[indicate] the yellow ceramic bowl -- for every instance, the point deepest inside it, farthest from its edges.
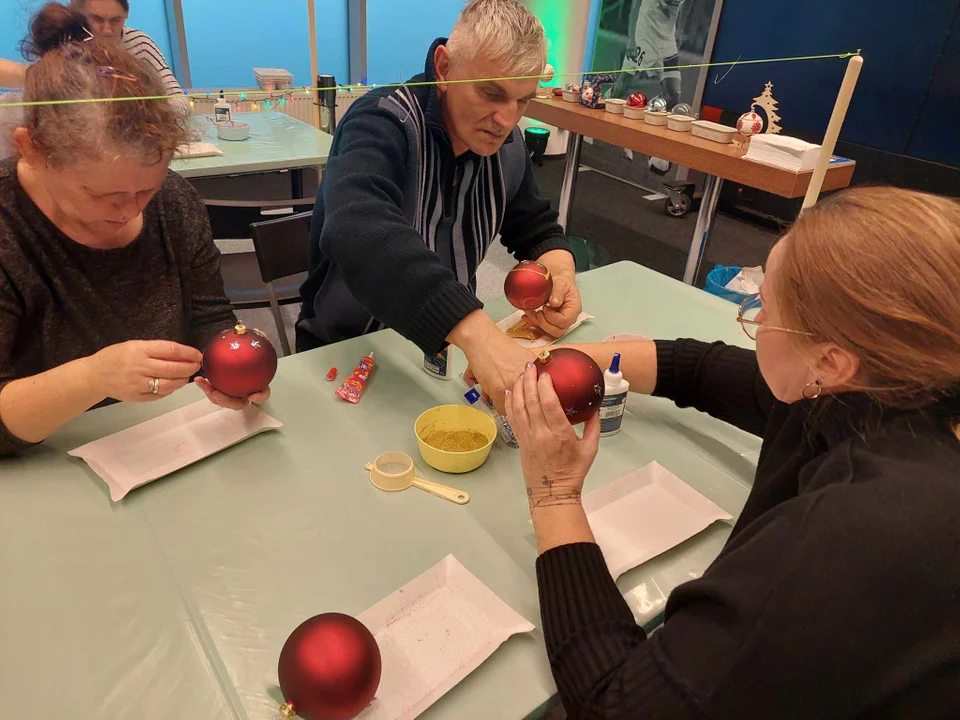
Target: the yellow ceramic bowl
(454, 417)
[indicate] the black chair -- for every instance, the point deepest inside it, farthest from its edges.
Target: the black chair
(283, 251)
(250, 277)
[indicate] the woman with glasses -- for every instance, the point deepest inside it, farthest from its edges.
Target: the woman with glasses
(109, 278)
(838, 592)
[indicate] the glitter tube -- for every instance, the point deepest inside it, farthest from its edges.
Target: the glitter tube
(353, 386)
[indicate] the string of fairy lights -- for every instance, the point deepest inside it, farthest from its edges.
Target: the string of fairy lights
(276, 99)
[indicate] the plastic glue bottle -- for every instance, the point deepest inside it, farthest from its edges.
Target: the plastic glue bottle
(222, 114)
(614, 399)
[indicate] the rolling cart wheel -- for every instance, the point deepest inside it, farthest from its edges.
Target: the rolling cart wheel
(677, 209)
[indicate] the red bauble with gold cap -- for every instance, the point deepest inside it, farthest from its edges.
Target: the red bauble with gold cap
(240, 362)
(577, 379)
(528, 285)
(329, 668)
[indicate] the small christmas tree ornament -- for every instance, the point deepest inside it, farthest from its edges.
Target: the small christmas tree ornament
(528, 285)
(766, 102)
(240, 362)
(577, 380)
(329, 669)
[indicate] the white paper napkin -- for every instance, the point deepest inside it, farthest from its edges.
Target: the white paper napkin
(644, 514)
(432, 633)
(197, 150)
(158, 447)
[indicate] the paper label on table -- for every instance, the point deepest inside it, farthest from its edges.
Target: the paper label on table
(530, 336)
(432, 633)
(158, 447)
(644, 514)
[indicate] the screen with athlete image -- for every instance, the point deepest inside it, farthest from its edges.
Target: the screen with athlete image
(649, 43)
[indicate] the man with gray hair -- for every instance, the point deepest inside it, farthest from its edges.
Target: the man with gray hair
(421, 179)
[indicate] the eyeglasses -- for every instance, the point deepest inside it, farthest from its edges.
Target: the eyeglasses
(747, 317)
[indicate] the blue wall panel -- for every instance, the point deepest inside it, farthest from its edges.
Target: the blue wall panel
(901, 42)
(226, 39)
(936, 137)
(400, 32)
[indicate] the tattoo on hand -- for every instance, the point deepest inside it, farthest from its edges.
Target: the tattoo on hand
(554, 498)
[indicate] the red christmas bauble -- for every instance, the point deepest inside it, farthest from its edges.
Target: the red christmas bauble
(577, 379)
(750, 124)
(528, 285)
(329, 668)
(240, 362)
(637, 100)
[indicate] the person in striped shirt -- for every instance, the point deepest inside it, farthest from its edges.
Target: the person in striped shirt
(107, 19)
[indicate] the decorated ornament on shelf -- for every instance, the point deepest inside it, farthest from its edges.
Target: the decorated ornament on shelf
(682, 109)
(750, 124)
(240, 362)
(329, 669)
(637, 100)
(548, 73)
(658, 104)
(577, 380)
(528, 285)
(591, 91)
(766, 102)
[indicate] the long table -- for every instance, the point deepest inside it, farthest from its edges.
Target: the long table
(277, 142)
(719, 162)
(175, 602)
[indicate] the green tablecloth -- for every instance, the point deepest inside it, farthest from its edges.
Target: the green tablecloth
(277, 142)
(175, 602)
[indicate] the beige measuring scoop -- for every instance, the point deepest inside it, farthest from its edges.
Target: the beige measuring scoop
(394, 471)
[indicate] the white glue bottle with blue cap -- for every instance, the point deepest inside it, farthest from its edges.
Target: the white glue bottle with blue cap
(614, 399)
(222, 115)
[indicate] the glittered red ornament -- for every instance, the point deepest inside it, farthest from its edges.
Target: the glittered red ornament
(528, 285)
(637, 100)
(240, 362)
(329, 668)
(577, 379)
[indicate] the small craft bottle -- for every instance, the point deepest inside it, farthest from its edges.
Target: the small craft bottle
(438, 365)
(614, 399)
(221, 111)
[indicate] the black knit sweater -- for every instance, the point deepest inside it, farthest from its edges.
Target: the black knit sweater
(401, 224)
(837, 594)
(60, 301)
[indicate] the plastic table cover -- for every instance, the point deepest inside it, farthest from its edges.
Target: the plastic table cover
(277, 142)
(175, 602)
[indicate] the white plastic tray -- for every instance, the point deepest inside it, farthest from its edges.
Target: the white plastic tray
(432, 633)
(644, 514)
(158, 447)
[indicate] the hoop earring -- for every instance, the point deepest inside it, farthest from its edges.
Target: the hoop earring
(818, 390)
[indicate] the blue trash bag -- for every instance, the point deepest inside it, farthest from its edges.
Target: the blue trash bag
(718, 278)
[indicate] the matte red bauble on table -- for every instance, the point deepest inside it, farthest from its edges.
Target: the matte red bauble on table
(240, 362)
(577, 379)
(329, 668)
(528, 285)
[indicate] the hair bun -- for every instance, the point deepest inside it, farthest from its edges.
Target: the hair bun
(54, 26)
